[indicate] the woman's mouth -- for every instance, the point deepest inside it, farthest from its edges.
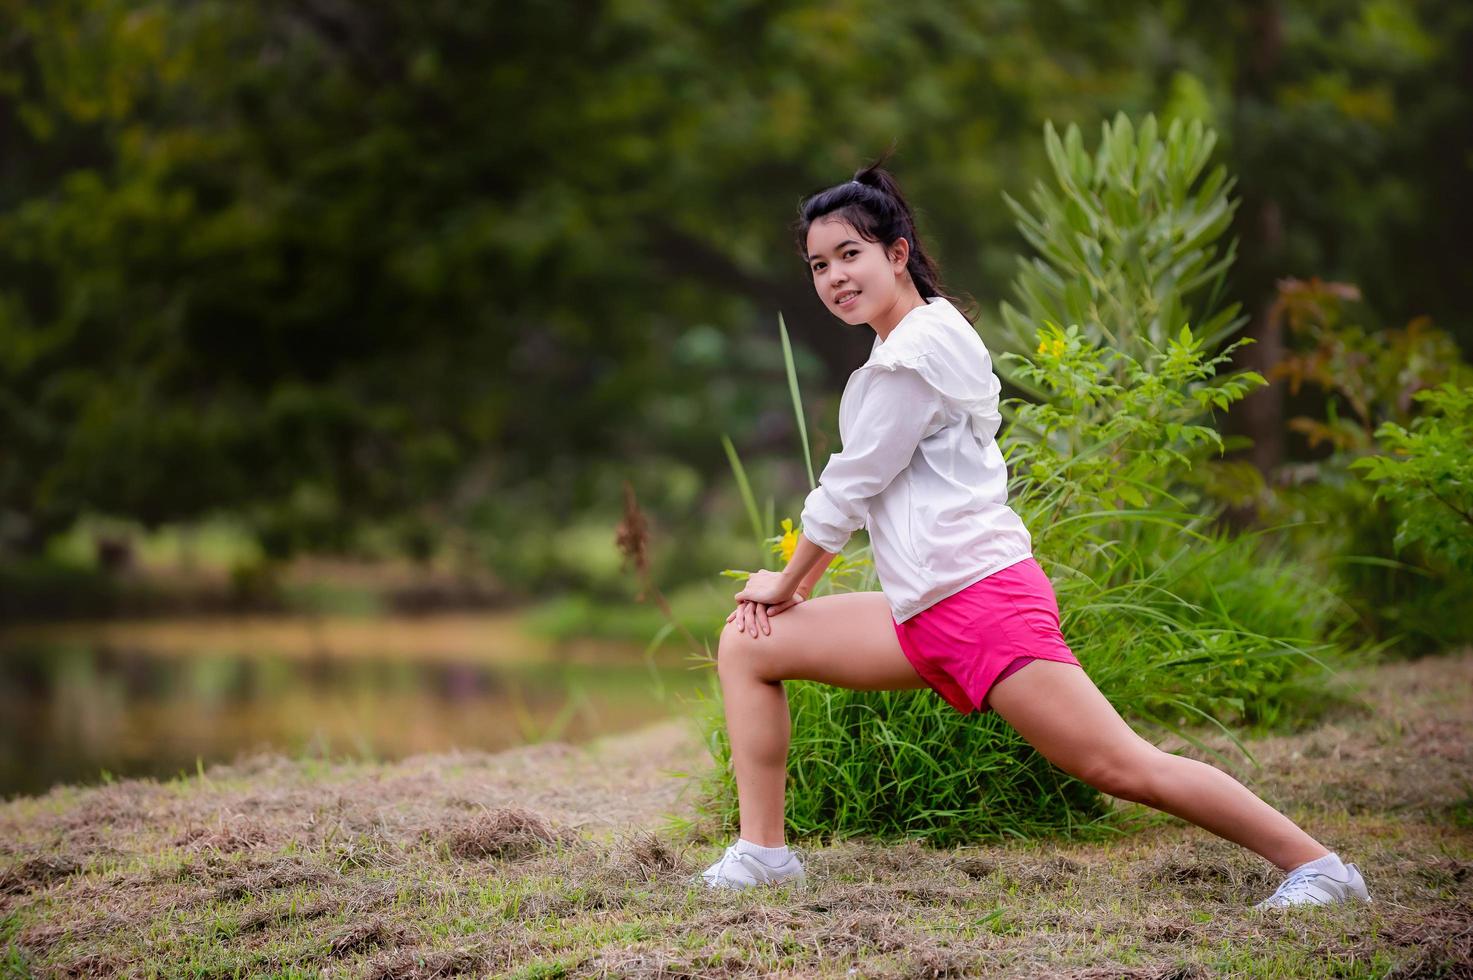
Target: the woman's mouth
(846, 299)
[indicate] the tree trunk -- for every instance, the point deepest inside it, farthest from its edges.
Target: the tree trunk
(1260, 231)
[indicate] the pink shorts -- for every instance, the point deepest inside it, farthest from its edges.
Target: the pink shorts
(967, 642)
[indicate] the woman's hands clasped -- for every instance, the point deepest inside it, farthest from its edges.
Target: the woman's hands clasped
(763, 597)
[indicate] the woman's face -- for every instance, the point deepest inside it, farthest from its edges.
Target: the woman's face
(856, 279)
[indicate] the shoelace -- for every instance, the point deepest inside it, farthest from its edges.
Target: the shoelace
(1298, 885)
(731, 854)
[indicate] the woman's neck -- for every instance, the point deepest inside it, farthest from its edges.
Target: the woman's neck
(909, 299)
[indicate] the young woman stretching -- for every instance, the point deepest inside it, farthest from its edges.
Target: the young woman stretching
(964, 609)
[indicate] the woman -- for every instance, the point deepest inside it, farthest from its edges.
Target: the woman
(965, 609)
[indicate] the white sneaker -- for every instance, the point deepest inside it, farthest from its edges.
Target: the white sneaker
(1317, 888)
(739, 870)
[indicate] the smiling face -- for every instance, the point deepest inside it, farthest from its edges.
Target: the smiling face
(856, 279)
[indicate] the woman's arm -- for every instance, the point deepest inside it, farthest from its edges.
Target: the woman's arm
(813, 562)
(776, 588)
(896, 410)
(805, 568)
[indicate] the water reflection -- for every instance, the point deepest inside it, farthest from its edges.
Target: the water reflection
(73, 704)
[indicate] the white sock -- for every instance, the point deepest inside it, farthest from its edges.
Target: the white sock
(773, 857)
(1330, 864)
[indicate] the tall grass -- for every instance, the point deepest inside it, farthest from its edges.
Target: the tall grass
(904, 764)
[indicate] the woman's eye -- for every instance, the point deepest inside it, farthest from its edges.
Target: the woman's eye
(852, 251)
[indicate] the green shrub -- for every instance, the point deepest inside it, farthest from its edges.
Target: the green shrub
(1091, 478)
(1392, 559)
(1127, 242)
(1428, 474)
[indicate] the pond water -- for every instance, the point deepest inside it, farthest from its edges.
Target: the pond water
(79, 703)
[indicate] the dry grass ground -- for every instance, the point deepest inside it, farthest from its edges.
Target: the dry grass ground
(558, 861)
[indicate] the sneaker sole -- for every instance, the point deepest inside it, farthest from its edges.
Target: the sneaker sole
(1311, 905)
(699, 881)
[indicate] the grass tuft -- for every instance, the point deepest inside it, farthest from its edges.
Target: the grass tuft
(35, 873)
(507, 833)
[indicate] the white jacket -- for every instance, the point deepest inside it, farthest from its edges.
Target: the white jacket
(920, 467)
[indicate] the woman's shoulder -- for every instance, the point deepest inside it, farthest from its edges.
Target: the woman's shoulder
(939, 345)
(936, 330)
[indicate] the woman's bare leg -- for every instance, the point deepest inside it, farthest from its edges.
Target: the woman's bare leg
(847, 640)
(1058, 709)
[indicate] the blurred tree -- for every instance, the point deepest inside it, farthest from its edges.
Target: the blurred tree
(322, 264)
(1351, 127)
(430, 263)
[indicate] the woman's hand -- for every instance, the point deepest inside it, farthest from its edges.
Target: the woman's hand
(753, 616)
(768, 588)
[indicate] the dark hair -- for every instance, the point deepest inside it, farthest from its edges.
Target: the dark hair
(873, 204)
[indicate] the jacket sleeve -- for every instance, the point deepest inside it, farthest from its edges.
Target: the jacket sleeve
(897, 409)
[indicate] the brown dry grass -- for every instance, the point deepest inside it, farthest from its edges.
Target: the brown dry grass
(556, 861)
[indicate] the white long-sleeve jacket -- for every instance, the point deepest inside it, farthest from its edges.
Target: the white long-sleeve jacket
(920, 467)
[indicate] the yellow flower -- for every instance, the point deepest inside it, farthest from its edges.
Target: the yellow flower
(789, 542)
(1054, 346)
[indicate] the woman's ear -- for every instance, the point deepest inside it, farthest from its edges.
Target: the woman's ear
(900, 255)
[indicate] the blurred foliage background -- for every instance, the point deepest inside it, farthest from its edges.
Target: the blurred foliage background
(423, 283)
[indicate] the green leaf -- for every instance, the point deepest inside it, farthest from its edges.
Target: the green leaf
(792, 372)
(745, 489)
(1131, 495)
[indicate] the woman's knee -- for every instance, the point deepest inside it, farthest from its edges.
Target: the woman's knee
(1129, 775)
(740, 653)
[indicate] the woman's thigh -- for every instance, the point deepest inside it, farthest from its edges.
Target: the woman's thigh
(1058, 709)
(847, 640)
